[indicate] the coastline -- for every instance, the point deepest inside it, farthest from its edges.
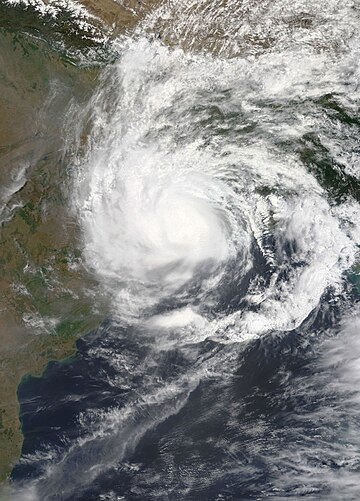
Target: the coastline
(37, 253)
(40, 247)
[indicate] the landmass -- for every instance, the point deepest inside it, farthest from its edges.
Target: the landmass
(46, 296)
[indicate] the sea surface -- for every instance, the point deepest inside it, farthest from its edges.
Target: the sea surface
(211, 172)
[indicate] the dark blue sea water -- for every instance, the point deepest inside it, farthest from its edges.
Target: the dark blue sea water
(209, 183)
(264, 428)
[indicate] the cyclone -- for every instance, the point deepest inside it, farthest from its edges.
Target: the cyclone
(214, 178)
(179, 203)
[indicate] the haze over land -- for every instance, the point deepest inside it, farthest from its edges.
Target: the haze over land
(183, 176)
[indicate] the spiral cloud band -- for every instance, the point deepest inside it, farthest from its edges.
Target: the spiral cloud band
(180, 203)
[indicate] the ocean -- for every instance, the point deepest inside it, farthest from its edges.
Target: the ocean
(210, 170)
